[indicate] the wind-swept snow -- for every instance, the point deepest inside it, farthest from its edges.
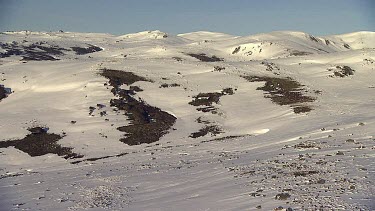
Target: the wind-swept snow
(282, 119)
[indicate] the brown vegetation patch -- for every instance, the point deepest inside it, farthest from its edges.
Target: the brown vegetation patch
(148, 123)
(200, 120)
(312, 38)
(87, 50)
(99, 158)
(299, 53)
(306, 145)
(236, 50)
(179, 59)
(165, 85)
(4, 92)
(204, 58)
(135, 88)
(39, 51)
(212, 129)
(207, 99)
(39, 143)
(36, 56)
(218, 68)
(119, 77)
(302, 109)
(270, 66)
(343, 71)
(3, 176)
(283, 91)
(225, 138)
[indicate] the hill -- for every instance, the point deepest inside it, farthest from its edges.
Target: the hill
(202, 120)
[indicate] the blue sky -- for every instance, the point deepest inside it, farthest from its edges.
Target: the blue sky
(238, 17)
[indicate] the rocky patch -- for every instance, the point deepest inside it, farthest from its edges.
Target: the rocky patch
(308, 180)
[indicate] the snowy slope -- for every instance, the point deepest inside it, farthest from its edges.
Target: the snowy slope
(242, 123)
(356, 40)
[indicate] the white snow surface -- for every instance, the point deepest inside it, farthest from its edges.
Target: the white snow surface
(258, 155)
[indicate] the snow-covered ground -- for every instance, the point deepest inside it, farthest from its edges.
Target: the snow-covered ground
(283, 119)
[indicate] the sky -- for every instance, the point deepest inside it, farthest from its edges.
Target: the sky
(237, 17)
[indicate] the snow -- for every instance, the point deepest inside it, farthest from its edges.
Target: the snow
(357, 40)
(261, 149)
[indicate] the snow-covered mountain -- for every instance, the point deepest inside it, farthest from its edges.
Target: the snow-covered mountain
(203, 120)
